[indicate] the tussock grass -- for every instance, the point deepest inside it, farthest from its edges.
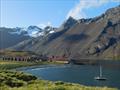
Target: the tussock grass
(20, 81)
(12, 80)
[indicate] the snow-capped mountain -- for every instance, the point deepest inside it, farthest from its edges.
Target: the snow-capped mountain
(92, 38)
(33, 31)
(12, 36)
(48, 30)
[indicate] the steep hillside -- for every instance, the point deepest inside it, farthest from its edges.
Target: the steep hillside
(10, 37)
(84, 38)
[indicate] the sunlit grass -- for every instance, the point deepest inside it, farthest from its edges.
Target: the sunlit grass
(4, 65)
(19, 81)
(11, 80)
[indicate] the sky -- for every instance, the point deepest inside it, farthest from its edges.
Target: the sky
(23, 13)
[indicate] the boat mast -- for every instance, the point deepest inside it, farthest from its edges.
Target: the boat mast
(100, 71)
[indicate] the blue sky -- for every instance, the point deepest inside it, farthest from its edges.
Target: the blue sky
(23, 13)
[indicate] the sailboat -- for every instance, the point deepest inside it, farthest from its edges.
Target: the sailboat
(100, 77)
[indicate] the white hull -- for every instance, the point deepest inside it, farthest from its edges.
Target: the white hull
(100, 78)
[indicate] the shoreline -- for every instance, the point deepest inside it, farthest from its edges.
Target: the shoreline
(24, 81)
(62, 85)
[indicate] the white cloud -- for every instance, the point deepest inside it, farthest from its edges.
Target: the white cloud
(78, 10)
(43, 25)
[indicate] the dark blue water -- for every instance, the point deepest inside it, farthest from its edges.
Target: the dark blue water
(83, 74)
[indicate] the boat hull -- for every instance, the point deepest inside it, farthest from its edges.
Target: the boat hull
(100, 78)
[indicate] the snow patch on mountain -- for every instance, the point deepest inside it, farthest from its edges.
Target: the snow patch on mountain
(33, 31)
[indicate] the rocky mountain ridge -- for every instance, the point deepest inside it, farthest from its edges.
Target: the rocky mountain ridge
(12, 36)
(97, 37)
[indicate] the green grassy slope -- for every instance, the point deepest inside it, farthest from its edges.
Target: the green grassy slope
(12, 80)
(19, 81)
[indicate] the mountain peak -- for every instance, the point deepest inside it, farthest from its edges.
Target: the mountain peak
(113, 10)
(69, 22)
(83, 38)
(71, 19)
(33, 27)
(47, 27)
(113, 14)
